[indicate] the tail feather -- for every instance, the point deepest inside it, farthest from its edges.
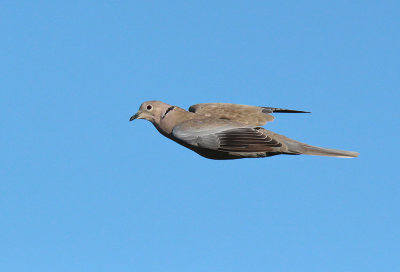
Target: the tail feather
(319, 151)
(306, 149)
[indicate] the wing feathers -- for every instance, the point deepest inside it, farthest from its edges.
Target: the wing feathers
(245, 114)
(246, 139)
(271, 110)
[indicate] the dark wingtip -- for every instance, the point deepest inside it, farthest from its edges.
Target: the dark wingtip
(271, 110)
(290, 111)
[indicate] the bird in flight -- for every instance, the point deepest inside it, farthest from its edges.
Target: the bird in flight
(224, 131)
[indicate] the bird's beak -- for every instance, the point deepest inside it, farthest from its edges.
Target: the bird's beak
(135, 116)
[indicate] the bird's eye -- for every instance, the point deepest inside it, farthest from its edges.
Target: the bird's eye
(149, 107)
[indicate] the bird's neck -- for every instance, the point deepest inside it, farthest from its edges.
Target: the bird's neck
(177, 116)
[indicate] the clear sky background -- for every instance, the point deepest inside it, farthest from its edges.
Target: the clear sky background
(83, 189)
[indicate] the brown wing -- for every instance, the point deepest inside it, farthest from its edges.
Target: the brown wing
(248, 115)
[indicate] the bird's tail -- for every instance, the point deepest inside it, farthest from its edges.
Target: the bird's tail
(301, 148)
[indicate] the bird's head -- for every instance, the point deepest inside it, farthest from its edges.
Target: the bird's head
(151, 111)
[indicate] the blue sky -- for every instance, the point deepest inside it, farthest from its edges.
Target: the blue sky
(83, 189)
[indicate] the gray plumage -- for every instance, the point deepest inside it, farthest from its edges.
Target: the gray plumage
(227, 131)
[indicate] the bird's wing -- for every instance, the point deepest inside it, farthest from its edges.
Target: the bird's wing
(225, 135)
(249, 115)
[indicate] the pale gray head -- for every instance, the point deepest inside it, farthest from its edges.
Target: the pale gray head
(151, 111)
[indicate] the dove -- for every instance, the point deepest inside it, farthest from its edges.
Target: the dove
(224, 131)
